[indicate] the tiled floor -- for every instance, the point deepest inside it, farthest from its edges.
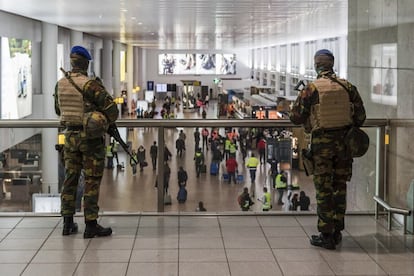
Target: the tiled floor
(201, 244)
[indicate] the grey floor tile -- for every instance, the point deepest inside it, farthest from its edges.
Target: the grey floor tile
(205, 255)
(57, 256)
(16, 256)
(255, 268)
(366, 268)
(305, 268)
(159, 269)
(106, 256)
(98, 269)
(250, 255)
(63, 269)
(204, 269)
(12, 269)
(154, 256)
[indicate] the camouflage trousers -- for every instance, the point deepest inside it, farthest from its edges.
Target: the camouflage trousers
(333, 168)
(89, 155)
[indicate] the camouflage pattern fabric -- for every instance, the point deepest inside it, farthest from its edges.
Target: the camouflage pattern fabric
(333, 168)
(81, 152)
(88, 154)
(332, 161)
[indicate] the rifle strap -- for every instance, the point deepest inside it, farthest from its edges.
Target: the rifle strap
(67, 75)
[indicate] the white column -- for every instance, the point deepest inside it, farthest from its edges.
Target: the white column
(49, 135)
(76, 38)
(130, 74)
(116, 68)
(107, 66)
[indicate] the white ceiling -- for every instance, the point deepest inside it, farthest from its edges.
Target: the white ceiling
(189, 24)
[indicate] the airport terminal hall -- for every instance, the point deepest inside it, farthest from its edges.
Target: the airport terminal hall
(206, 137)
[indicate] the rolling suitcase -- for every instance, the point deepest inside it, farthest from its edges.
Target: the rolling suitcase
(240, 179)
(167, 199)
(226, 177)
(214, 168)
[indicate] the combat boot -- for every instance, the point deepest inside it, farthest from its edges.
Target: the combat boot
(337, 237)
(69, 227)
(323, 240)
(93, 229)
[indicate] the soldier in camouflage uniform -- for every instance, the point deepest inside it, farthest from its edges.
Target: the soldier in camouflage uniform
(327, 108)
(86, 110)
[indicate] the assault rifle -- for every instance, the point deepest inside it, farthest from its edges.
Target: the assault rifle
(299, 86)
(113, 131)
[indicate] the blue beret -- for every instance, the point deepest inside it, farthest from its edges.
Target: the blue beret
(79, 50)
(324, 52)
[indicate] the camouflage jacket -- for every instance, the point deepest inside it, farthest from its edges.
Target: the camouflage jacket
(96, 99)
(301, 109)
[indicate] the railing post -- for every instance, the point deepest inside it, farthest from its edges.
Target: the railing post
(160, 168)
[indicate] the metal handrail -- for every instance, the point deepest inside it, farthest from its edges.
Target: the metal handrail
(54, 123)
(162, 125)
(391, 210)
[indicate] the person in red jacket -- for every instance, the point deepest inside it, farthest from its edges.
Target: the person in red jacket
(261, 147)
(231, 166)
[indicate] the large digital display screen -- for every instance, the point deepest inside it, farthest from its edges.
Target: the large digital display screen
(200, 64)
(16, 78)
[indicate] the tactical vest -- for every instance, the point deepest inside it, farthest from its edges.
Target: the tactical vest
(71, 101)
(334, 109)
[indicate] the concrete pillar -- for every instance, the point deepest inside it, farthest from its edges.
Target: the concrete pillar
(76, 38)
(116, 68)
(130, 75)
(107, 66)
(49, 135)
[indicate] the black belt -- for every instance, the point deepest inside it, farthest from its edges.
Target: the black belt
(329, 130)
(74, 128)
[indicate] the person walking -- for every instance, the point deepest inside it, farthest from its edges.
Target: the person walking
(180, 147)
(141, 153)
(79, 99)
(109, 156)
(199, 161)
(281, 186)
(231, 167)
(261, 147)
(328, 107)
(154, 155)
(197, 139)
(182, 177)
(205, 133)
(252, 164)
(133, 161)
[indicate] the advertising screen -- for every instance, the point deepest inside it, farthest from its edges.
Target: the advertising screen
(200, 64)
(16, 78)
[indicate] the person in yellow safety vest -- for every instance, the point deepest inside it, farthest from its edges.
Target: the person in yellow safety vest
(252, 164)
(109, 157)
(266, 200)
(281, 185)
(227, 148)
(232, 149)
(171, 115)
(114, 149)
